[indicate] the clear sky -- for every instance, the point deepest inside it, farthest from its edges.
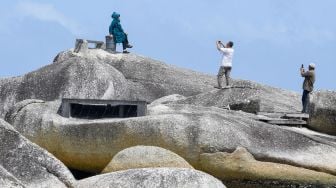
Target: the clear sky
(272, 37)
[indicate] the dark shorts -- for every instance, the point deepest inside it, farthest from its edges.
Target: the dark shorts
(224, 71)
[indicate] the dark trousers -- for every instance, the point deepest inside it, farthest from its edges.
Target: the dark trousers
(223, 71)
(125, 42)
(305, 101)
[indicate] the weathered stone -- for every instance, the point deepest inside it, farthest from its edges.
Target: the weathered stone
(76, 77)
(7, 180)
(17, 108)
(168, 99)
(151, 79)
(322, 115)
(186, 130)
(145, 157)
(154, 178)
(81, 46)
(249, 97)
(101, 75)
(176, 123)
(241, 165)
(29, 164)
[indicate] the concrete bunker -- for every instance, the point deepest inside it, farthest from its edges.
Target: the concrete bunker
(98, 109)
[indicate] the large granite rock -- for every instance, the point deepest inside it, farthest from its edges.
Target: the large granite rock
(151, 79)
(98, 74)
(7, 180)
(74, 77)
(24, 164)
(323, 112)
(249, 97)
(241, 165)
(154, 178)
(187, 130)
(168, 99)
(145, 157)
(101, 75)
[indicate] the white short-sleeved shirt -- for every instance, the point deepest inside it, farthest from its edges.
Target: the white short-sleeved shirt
(227, 56)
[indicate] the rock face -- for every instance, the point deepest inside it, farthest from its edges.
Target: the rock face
(242, 165)
(27, 165)
(168, 99)
(145, 157)
(154, 178)
(188, 120)
(186, 130)
(8, 180)
(249, 97)
(323, 112)
(97, 74)
(76, 77)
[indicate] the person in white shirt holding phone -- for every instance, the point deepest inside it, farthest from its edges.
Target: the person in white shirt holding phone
(226, 63)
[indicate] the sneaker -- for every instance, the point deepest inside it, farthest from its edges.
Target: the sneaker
(125, 52)
(129, 46)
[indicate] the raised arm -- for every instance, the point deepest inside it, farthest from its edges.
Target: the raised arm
(305, 73)
(220, 46)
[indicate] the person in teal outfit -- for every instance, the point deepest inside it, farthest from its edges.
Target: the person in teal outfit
(118, 33)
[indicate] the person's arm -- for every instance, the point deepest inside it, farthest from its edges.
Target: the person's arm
(306, 74)
(221, 47)
(111, 28)
(218, 44)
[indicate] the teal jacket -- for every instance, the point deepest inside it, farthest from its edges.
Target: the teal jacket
(116, 30)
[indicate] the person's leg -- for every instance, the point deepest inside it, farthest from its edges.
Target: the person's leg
(220, 76)
(304, 101)
(126, 44)
(227, 75)
(307, 101)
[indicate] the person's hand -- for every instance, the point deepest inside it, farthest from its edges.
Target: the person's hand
(302, 69)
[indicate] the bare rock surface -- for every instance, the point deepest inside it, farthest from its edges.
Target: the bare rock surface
(151, 79)
(73, 77)
(25, 163)
(145, 157)
(242, 165)
(154, 178)
(186, 130)
(98, 74)
(168, 99)
(187, 120)
(7, 180)
(101, 75)
(323, 112)
(249, 97)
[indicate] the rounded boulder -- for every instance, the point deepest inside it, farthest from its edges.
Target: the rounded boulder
(154, 178)
(145, 157)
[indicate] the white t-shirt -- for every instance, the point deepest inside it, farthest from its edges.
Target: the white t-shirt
(227, 56)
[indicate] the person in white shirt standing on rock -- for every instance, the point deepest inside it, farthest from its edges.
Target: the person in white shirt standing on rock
(226, 64)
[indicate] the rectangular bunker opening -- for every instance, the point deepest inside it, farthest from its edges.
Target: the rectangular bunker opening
(98, 109)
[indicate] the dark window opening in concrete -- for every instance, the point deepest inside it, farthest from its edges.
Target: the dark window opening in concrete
(97, 108)
(98, 111)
